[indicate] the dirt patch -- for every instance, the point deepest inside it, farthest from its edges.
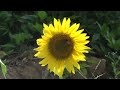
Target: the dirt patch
(30, 70)
(24, 65)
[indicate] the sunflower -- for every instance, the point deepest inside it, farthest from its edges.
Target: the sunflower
(62, 46)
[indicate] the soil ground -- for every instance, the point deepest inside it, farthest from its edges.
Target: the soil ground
(24, 65)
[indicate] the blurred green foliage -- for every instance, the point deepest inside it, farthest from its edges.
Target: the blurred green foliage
(24, 27)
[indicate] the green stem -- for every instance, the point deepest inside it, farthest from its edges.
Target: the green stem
(82, 74)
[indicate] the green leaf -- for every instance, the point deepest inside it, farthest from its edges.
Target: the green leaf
(20, 37)
(95, 37)
(118, 57)
(29, 18)
(95, 46)
(104, 29)
(42, 14)
(5, 16)
(99, 25)
(2, 54)
(3, 67)
(38, 27)
(118, 72)
(84, 71)
(113, 64)
(117, 45)
(113, 41)
(102, 48)
(92, 61)
(8, 46)
(84, 65)
(3, 30)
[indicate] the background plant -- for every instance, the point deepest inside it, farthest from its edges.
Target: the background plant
(19, 28)
(3, 68)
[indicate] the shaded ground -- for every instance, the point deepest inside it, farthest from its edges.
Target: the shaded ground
(24, 65)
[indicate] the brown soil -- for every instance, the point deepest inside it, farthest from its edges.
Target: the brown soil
(24, 65)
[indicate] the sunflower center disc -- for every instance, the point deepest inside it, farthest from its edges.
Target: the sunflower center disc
(60, 46)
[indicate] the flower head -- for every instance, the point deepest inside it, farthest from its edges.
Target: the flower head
(62, 46)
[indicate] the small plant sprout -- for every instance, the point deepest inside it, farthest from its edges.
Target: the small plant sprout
(3, 68)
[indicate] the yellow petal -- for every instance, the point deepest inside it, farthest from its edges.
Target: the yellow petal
(46, 36)
(81, 42)
(76, 34)
(55, 70)
(65, 25)
(81, 47)
(37, 49)
(40, 55)
(56, 67)
(42, 51)
(73, 71)
(59, 26)
(61, 68)
(51, 66)
(52, 29)
(78, 56)
(68, 24)
(45, 26)
(86, 42)
(49, 30)
(47, 60)
(81, 37)
(46, 31)
(73, 28)
(87, 37)
(44, 62)
(52, 63)
(80, 31)
(76, 64)
(69, 66)
(55, 23)
(39, 41)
